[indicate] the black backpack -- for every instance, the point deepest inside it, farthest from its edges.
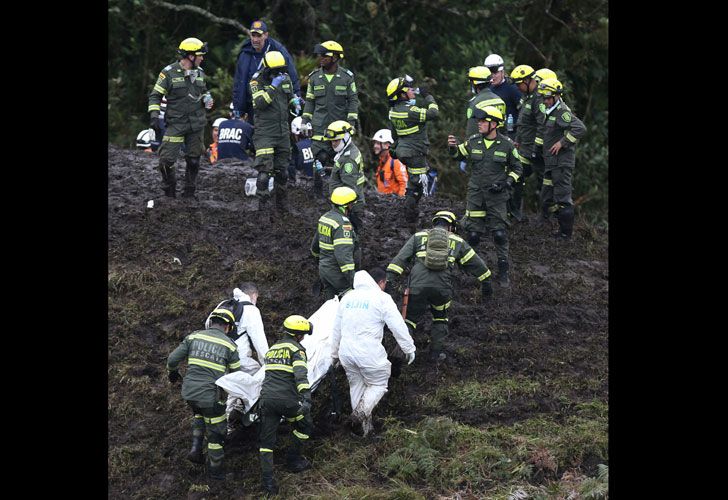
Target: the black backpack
(237, 308)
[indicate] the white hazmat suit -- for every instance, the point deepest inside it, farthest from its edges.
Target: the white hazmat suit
(357, 343)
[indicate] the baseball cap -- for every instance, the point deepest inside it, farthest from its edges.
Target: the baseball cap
(258, 27)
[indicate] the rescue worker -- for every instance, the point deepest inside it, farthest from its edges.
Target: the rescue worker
(356, 341)
(495, 167)
(210, 354)
(348, 169)
(331, 95)
(285, 393)
(302, 155)
(562, 131)
(145, 140)
(271, 89)
(508, 91)
(523, 76)
(212, 150)
(235, 140)
(183, 84)
(480, 78)
(430, 278)
(391, 174)
(333, 244)
(537, 155)
(411, 145)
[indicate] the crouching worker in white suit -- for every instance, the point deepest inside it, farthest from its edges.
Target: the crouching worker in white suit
(357, 342)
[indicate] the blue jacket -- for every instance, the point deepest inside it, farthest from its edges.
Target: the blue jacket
(234, 137)
(302, 157)
(250, 61)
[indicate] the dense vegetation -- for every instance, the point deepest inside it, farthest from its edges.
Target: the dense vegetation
(433, 39)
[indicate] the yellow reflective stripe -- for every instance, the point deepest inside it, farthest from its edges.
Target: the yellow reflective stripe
(451, 258)
(264, 151)
(343, 241)
(395, 268)
(215, 420)
(439, 319)
(484, 275)
(475, 213)
(285, 344)
(463, 150)
(433, 105)
(302, 387)
(282, 368)
(173, 138)
(331, 222)
(408, 131)
(235, 365)
(326, 246)
(442, 307)
(214, 340)
(154, 107)
(353, 116)
(539, 140)
(524, 160)
(265, 450)
(417, 171)
(160, 89)
(300, 435)
(421, 253)
(347, 267)
(423, 114)
(267, 97)
(514, 175)
(398, 114)
(299, 362)
(307, 115)
(548, 182)
(414, 325)
(361, 180)
(206, 364)
(295, 419)
(571, 137)
(214, 446)
(515, 154)
(467, 256)
(199, 416)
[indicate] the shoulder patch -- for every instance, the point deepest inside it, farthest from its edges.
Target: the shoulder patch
(348, 168)
(566, 116)
(162, 76)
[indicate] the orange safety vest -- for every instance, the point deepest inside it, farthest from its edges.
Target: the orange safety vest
(212, 152)
(391, 175)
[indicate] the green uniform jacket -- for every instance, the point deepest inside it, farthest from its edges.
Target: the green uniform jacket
(182, 109)
(409, 128)
(540, 121)
(270, 106)
(489, 164)
(421, 277)
(327, 101)
(210, 355)
(348, 171)
(286, 371)
(333, 245)
(561, 125)
(528, 116)
(485, 97)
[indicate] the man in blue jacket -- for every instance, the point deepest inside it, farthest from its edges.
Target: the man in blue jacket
(250, 60)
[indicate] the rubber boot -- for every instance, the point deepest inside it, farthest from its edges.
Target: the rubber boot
(169, 178)
(503, 274)
(195, 453)
(215, 473)
(566, 222)
(267, 483)
(295, 462)
(515, 202)
(193, 167)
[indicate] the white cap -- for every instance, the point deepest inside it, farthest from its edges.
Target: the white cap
(145, 138)
(494, 60)
(296, 125)
(216, 123)
(383, 135)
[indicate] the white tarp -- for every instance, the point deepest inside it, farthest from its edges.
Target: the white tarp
(318, 351)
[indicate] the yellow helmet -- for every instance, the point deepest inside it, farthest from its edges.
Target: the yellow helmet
(550, 87)
(543, 74)
(479, 75)
(489, 114)
(192, 46)
(274, 59)
(521, 72)
(343, 195)
(395, 87)
(337, 129)
(447, 216)
(297, 325)
(329, 48)
(224, 314)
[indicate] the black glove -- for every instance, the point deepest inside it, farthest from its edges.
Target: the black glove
(154, 125)
(424, 91)
(174, 376)
(497, 187)
(486, 288)
(306, 406)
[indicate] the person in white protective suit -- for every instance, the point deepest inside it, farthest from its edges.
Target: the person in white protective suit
(357, 342)
(250, 331)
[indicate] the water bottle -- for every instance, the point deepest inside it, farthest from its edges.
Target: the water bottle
(509, 123)
(319, 168)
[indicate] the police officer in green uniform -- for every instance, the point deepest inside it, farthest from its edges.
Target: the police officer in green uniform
(561, 133)
(271, 90)
(334, 244)
(537, 155)
(331, 95)
(480, 78)
(433, 288)
(285, 394)
(210, 354)
(495, 166)
(523, 77)
(348, 169)
(411, 145)
(183, 84)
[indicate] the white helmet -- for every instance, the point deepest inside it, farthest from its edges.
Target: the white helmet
(145, 138)
(494, 62)
(383, 135)
(296, 125)
(216, 123)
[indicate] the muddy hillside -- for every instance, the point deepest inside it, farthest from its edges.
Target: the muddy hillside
(518, 410)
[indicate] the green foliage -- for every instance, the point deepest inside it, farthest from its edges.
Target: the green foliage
(476, 394)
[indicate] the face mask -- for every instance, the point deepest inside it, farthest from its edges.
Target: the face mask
(411, 102)
(339, 147)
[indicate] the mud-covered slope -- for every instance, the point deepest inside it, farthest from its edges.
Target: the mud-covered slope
(531, 362)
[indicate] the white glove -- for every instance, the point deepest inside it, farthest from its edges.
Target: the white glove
(410, 357)
(424, 180)
(208, 101)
